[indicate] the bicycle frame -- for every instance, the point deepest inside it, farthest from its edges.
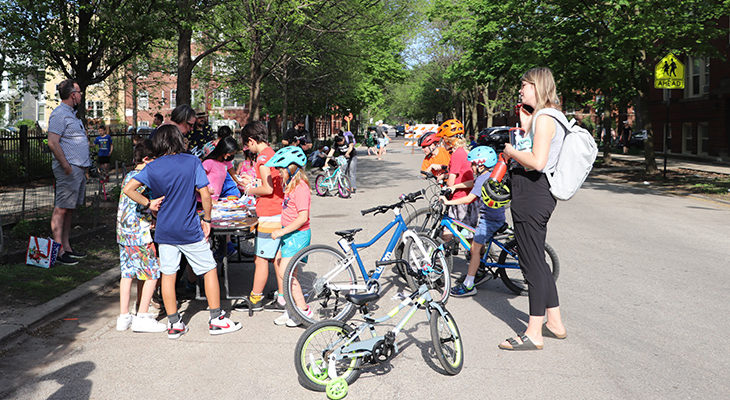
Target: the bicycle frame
(450, 223)
(331, 178)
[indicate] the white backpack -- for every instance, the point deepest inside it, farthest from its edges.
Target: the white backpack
(575, 160)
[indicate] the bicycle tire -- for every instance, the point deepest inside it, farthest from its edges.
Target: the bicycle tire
(312, 347)
(443, 331)
(438, 279)
(307, 268)
(319, 186)
(513, 278)
(344, 188)
(426, 220)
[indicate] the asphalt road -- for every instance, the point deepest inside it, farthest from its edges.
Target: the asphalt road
(643, 287)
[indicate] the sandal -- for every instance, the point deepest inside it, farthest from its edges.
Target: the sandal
(548, 333)
(526, 344)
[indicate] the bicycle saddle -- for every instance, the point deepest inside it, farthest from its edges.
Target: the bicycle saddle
(348, 233)
(362, 299)
(502, 228)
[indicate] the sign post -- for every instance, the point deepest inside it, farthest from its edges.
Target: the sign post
(668, 74)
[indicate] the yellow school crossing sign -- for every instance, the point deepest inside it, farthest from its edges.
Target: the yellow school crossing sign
(669, 73)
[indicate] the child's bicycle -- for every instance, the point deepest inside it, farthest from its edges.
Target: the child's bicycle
(330, 354)
(500, 257)
(96, 172)
(334, 181)
(325, 275)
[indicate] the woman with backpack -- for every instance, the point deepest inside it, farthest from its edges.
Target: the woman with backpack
(532, 205)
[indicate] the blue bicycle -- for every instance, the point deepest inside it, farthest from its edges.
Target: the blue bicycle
(500, 256)
(320, 276)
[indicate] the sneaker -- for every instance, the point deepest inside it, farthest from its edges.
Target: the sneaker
(66, 259)
(147, 323)
(282, 319)
(222, 324)
(176, 330)
(275, 306)
(76, 254)
(461, 290)
(481, 276)
(244, 305)
(124, 321)
(291, 323)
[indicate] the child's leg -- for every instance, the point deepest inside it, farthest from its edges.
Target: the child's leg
(279, 267)
(296, 290)
(140, 284)
(169, 298)
(169, 264)
(212, 289)
(146, 290)
(260, 275)
(125, 287)
(476, 249)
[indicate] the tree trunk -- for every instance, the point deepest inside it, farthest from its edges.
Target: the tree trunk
(134, 101)
(255, 78)
(641, 110)
(184, 66)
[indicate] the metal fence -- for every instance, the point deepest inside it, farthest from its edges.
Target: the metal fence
(26, 179)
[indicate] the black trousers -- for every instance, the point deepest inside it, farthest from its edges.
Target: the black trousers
(532, 205)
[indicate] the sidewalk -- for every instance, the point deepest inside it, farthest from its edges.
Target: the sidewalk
(673, 163)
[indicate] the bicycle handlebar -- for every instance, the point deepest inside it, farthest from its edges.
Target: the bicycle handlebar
(428, 175)
(404, 198)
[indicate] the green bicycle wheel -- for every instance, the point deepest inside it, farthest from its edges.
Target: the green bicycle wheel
(312, 352)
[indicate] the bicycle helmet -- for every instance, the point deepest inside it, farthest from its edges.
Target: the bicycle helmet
(450, 128)
(286, 156)
(495, 194)
(483, 155)
(428, 139)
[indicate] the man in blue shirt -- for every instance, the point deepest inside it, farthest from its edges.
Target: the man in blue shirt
(68, 142)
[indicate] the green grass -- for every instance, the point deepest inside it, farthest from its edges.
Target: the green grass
(38, 285)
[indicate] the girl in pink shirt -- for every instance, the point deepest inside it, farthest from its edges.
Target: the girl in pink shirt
(217, 164)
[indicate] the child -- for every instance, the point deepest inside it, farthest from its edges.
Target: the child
(270, 196)
(176, 176)
(491, 215)
(437, 158)
(245, 168)
(295, 233)
(347, 150)
(104, 142)
(137, 255)
(319, 156)
(459, 172)
(217, 165)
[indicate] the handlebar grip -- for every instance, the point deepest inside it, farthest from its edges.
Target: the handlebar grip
(428, 175)
(369, 210)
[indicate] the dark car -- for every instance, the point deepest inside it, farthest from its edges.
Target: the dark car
(638, 138)
(400, 130)
(494, 137)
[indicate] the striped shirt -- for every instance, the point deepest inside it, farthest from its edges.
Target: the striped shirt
(74, 142)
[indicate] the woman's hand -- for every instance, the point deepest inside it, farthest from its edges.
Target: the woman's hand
(508, 151)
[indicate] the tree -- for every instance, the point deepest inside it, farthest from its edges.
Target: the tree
(85, 40)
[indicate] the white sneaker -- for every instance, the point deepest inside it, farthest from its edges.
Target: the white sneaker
(124, 321)
(147, 323)
(291, 323)
(176, 330)
(282, 319)
(222, 324)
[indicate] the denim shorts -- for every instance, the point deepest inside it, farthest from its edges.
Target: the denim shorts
(291, 243)
(199, 256)
(485, 230)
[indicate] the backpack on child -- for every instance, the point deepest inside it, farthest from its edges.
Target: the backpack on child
(576, 157)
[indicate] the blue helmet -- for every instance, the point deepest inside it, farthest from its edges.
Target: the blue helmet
(286, 156)
(483, 155)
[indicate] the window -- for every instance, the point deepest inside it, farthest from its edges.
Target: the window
(162, 98)
(697, 77)
(95, 109)
(173, 98)
(687, 137)
(41, 114)
(144, 123)
(143, 100)
(703, 138)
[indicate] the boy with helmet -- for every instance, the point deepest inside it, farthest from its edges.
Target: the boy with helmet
(437, 157)
(460, 174)
(491, 215)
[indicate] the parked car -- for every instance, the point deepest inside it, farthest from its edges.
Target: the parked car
(638, 138)
(494, 137)
(400, 130)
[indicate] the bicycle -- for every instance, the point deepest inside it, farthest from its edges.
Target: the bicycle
(325, 275)
(330, 354)
(334, 181)
(500, 257)
(95, 171)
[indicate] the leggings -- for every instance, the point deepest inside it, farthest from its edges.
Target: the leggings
(352, 171)
(532, 205)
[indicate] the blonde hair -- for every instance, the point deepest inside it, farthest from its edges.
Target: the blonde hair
(455, 141)
(545, 91)
(300, 176)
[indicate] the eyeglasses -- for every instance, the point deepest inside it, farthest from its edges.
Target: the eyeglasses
(190, 124)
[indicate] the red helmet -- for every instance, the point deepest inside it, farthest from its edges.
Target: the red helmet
(450, 128)
(428, 139)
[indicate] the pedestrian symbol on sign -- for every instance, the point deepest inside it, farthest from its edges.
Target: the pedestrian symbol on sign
(669, 73)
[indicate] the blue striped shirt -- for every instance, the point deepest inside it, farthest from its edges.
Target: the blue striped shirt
(74, 142)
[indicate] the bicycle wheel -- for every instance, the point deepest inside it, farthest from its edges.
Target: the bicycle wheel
(435, 270)
(513, 278)
(308, 276)
(312, 350)
(424, 219)
(344, 188)
(320, 186)
(447, 341)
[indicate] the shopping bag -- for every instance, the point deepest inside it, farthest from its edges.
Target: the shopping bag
(42, 252)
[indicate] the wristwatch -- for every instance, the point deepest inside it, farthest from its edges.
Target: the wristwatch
(206, 220)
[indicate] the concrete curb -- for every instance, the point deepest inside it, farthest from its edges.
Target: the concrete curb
(37, 313)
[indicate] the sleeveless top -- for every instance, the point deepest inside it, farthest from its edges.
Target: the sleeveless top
(556, 144)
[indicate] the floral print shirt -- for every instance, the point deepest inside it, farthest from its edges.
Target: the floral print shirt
(133, 224)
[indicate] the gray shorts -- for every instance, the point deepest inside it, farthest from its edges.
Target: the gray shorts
(70, 189)
(199, 256)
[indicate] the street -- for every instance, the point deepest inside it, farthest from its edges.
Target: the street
(643, 289)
